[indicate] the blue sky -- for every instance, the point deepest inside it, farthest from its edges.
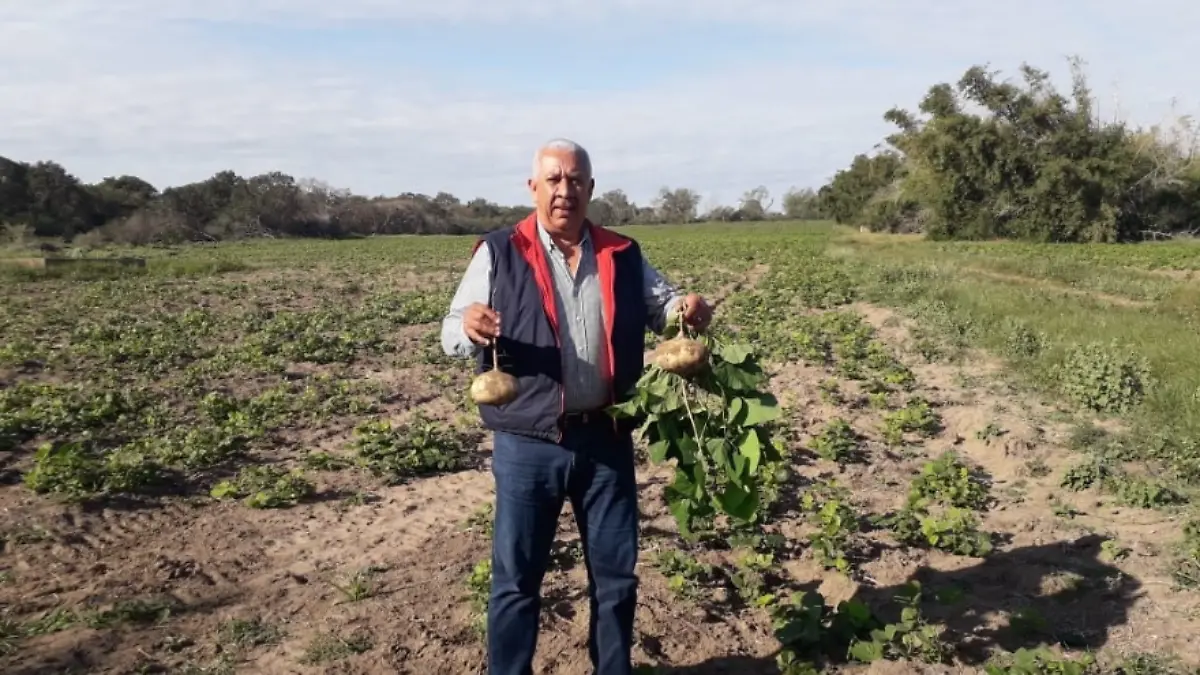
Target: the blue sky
(388, 96)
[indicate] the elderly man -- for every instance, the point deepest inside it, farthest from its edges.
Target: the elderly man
(567, 305)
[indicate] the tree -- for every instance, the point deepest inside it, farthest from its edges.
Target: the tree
(621, 210)
(985, 158)
(58, 204)
(846, 196)
(676, 206)
(755, 203)
(802, 204)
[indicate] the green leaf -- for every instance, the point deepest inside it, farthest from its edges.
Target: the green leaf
(733, 378)
(687, 450)
(734, 353)
(666, 429)
(682, 486)
(736, 407)
(666, 402)
(866, 652)
(701, 481)
(671, 329)
(625, 410)
(739, 472)
(718, 451)
(681, 509)
(758, 409)
(658, 451)
(739, 502)
(751, 449)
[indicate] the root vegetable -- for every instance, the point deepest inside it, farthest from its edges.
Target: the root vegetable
(682, 356)
(495, 387)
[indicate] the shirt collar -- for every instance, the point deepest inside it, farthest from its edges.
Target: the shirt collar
(585, 241)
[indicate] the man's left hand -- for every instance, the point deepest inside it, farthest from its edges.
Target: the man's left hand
(696, 312)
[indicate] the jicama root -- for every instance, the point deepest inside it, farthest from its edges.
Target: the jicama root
(495, 387)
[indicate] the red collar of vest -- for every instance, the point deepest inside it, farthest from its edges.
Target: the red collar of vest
(602, 238)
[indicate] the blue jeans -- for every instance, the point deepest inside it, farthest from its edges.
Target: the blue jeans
(594, 468)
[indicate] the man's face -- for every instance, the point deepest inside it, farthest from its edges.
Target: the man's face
(561, 191)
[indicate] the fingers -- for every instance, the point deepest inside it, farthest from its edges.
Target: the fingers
(477, 337)
(696, 312)
(481, 323)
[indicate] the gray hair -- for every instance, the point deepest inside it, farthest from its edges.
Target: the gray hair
(565, 145)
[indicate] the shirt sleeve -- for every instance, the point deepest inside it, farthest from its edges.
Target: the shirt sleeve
(474, 287)
(661, 297)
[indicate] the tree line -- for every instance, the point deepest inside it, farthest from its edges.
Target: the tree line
(983, 159)
(45, 200)
(988, 159)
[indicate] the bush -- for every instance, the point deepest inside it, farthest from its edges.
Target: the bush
(1035, 165)
(1104, 378)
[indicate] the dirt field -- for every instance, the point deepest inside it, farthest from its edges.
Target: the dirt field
(271, 468)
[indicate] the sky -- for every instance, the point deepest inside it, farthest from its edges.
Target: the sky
(388, 96)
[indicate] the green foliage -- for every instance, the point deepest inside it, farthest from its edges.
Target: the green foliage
(810, 630)
(952, 530)
(45, 200)
(836, 522)
(715, 427)
(837, 441)
(265, 487)
(420, 448)
(479, 588)
(77, 470)
(948, 480)
(1104, 378)
(748, 577)
(686, 576)
(848, 194)
(911, 638)
(1040, 661)
(1034, 164)
(1104, 472)
(917, 416)
(939, 511)
(1186, 571)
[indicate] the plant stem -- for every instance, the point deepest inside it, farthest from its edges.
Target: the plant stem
(683, 392)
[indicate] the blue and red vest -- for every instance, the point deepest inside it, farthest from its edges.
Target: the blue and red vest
(523, 294)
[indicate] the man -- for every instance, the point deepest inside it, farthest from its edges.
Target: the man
(567, 305)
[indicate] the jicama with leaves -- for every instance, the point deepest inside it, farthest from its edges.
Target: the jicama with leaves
(709, 413)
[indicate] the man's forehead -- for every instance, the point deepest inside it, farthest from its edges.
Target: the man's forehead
(554, 164)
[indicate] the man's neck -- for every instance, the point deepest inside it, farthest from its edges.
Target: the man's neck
(565, 240)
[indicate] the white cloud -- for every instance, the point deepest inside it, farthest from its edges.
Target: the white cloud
(125, 86)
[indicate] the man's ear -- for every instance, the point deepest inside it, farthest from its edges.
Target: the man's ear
(532, 188)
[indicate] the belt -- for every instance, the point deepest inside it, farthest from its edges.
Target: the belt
(585, 418)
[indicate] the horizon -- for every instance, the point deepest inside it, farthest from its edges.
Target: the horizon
(386, 99)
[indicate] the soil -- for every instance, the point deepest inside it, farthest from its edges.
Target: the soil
(215, 562)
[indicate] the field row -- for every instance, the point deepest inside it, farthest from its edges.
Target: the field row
(255, 458)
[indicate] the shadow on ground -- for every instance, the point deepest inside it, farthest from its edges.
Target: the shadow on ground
(83, 649)
(1059, 593)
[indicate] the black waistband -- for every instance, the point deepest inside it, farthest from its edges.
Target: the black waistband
(585, 418)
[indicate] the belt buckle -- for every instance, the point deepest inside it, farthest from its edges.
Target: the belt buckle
(582, 417)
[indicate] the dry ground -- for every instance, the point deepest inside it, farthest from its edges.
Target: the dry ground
(219, 587)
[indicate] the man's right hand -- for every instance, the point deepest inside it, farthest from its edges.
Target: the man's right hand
(481, 323)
